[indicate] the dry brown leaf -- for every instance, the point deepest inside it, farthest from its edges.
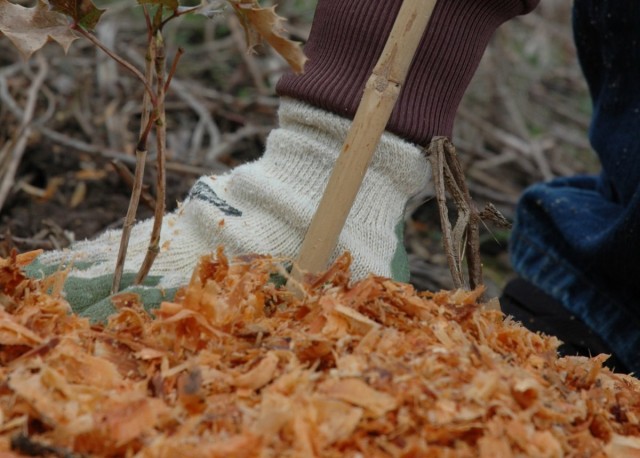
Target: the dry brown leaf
(264, 23)
(79, 194)
(83, 12)
(29, 29)
(90, 174)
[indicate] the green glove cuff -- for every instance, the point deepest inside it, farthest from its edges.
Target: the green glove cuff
(90, 297)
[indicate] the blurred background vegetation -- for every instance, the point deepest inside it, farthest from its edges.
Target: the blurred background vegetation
(524, 119)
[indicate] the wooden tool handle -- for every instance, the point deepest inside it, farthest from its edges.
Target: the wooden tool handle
(371, 118)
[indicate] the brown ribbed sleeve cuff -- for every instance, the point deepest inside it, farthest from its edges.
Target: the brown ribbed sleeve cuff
(347, 37)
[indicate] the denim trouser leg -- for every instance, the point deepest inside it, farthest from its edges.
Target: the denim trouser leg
(584, 250)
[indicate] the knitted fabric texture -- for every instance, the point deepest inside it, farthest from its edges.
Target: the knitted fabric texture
(347, 37)
(266, 206)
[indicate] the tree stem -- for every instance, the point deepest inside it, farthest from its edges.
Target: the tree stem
(161, 134)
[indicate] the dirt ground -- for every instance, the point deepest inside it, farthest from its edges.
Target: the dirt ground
(524, 119)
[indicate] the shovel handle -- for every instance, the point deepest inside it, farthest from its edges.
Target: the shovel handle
(371, 118)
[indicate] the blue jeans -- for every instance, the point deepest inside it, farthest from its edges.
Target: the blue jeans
(578, 239)
(576, 243)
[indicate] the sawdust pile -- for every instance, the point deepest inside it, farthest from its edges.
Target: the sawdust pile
(239, 368)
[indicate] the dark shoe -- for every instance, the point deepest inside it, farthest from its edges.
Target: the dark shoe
(540, 312)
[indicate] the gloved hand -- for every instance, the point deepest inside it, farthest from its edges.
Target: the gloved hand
(261, 207)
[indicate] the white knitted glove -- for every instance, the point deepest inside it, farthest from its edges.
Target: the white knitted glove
(261, 207)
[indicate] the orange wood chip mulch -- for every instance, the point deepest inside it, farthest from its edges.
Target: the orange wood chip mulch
(237, 367)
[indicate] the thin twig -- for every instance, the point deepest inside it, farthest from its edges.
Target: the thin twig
(129, 179)
(464, 237)
(205, 122)
(117, 58)
(147, 20)
(474, 263)
(176, 13)
(254, 68)
(19, 141)
(109, 154)
(141, 156)
(129, 221)
(230, 140)
(161, 138)
(491, 213)
(529, 149)
(499, 197)
(28, 241)
(435, 154)
(174, 67)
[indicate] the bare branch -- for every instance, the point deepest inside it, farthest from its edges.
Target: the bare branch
(174, 66)
(148, 118)
(435, 154)
(467, 207)
(129, 179)
(464, 237)
(161, 136)
(16, 147)
(130, 219)
(117, 58)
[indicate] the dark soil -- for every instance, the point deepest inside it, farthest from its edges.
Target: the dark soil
(29, 222)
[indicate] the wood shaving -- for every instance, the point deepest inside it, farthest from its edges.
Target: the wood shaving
(239, 367)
